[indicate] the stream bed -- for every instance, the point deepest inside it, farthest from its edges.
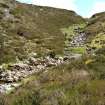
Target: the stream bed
(8, 87)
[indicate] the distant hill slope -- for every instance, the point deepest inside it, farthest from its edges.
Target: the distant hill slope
(95, 30)
(96, 24)
(27, 28)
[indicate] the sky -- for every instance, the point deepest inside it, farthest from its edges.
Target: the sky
(85, 8)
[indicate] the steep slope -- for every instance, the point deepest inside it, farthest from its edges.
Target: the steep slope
(95, 30)
(27, 28)
(96, 24)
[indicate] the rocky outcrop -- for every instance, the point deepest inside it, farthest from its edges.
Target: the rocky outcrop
(75, 41)
(18, 71)
(78, 40)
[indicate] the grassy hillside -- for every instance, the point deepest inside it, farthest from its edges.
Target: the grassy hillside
(95, 30)
(96, 24)
(27, 28)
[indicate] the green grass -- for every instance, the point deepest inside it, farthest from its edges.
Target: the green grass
(78, 50)
(98, 41)
(70, 30)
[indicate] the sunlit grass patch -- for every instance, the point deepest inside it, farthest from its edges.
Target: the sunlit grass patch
(70, 31)
(80, 50)
(98, 42)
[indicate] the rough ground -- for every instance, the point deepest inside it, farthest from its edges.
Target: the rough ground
(27, 28)
(50, 56)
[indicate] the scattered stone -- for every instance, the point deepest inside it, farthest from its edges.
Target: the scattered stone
(19, 71)
(79, 40)
(76, 41)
